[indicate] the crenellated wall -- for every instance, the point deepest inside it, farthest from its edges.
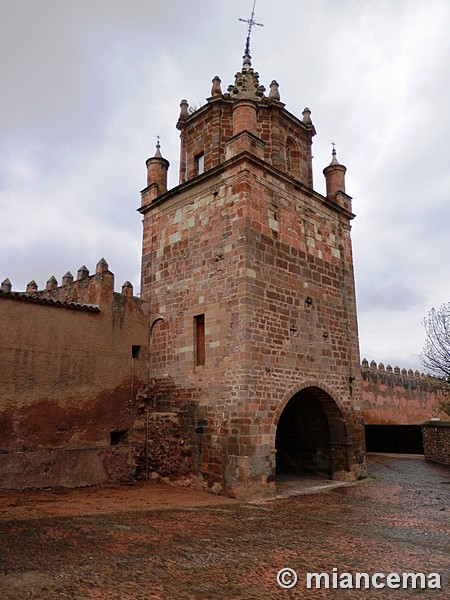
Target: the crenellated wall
(67, 377)
(394, 396)
(82, 390)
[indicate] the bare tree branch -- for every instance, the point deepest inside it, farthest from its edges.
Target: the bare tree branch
(436, 351)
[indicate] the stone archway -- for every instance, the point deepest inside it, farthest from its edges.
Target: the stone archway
(311, 437)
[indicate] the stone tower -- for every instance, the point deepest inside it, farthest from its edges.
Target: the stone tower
(249, 276)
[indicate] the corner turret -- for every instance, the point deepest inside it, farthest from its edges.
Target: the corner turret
(157, 168)
(335, 182)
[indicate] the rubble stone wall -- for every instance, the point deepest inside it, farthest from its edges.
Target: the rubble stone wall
(436, 441)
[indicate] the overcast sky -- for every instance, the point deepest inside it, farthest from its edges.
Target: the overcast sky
(86, 86)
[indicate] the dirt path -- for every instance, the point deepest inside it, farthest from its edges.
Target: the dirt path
(158, 495)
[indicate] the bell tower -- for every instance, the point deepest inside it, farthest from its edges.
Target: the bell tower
(249, 275)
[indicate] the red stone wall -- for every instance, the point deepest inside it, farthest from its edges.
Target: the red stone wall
(210, 128)
(66, 384)
(161, 446)
(206, 132)
(269, 264)
(397, 397)
(266, 260)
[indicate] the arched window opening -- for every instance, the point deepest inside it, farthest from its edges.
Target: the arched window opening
(292, 158)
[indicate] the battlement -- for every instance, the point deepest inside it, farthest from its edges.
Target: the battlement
(378, 373)
(394, 396)
(84, 292)
(71, 357)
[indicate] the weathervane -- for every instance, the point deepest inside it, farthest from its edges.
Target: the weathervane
(251, 23)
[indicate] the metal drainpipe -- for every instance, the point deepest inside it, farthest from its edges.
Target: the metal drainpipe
(146, 448)
(149, 374)
(130, 456)
(132, 380)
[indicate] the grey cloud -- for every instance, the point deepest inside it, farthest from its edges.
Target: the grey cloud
(88, 85)
(376, 295)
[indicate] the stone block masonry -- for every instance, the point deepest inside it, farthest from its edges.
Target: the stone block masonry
(245, 246)
(240, 357)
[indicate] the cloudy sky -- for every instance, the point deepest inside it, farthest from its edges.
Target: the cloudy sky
(86, 86)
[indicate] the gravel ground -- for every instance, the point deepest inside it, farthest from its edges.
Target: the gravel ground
(154, 541)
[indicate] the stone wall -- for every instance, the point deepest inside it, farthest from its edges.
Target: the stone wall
(249, 276)
(284, 143)
(162, 446)
(68, 378)
(394, 396)
(272, 273)
(436, 441)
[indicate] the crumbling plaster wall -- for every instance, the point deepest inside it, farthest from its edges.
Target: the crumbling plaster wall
(67, 382)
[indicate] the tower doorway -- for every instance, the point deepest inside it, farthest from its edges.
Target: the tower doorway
(311, 437)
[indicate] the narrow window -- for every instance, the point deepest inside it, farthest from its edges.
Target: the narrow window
(135, 351)
(288, 158)
(199, 332)
(200, 164)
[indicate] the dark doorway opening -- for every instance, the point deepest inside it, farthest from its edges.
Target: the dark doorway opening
(399, 439)
(311, 437)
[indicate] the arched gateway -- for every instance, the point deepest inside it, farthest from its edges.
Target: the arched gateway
(311, 436)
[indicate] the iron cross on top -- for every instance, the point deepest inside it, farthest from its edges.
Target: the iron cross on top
(251, 23)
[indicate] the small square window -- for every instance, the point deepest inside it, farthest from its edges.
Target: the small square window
(118, 437)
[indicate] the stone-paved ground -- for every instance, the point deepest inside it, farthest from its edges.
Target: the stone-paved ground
(398, 522)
